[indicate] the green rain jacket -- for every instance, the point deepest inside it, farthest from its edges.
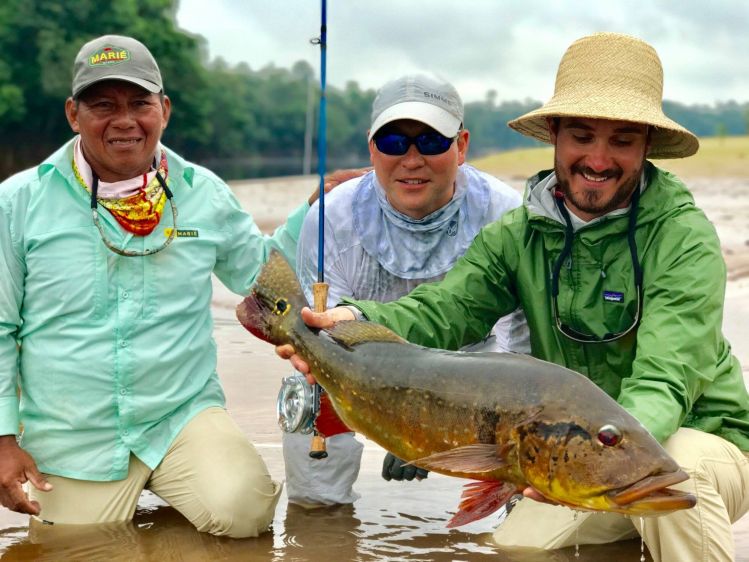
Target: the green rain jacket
(675, 370)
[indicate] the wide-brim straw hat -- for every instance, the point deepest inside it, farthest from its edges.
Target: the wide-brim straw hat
(616, 77)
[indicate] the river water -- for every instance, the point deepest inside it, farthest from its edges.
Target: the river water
(392, 521)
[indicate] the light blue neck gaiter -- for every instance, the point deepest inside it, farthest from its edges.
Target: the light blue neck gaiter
(420, 248)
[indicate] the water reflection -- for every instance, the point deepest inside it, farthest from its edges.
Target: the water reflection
(314, 534)
(319, 535)
(391, 522)
(154, 534)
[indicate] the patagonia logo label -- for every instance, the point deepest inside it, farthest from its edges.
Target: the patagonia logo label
(452, 228)
(108, 55)
(182, 233)
(613, 296)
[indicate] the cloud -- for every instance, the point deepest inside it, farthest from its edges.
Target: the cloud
(510, 46)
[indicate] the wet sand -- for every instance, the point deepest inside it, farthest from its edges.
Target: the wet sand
(392, 521)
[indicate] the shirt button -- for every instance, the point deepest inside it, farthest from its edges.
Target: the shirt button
(123, 343)
(125, 294)
(123, 392)
(125, 432)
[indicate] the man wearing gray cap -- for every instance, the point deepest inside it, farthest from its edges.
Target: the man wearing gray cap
(107, 250)
(403, 224)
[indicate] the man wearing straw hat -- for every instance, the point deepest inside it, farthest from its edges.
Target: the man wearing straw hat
(107, 250)
(621, 278)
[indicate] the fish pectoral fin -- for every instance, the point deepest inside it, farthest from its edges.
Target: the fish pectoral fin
(352, 332)
(480, 499)
(479, 457)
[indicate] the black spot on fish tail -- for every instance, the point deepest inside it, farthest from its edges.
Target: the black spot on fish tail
(486, 422)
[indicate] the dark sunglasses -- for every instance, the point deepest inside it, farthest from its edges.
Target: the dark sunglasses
(428, 144)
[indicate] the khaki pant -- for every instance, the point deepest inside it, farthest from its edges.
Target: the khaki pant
(211, 474)
(719, 478)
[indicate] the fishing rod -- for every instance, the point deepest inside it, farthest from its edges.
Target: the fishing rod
(298, 403)
(321, 151)
(320, 289)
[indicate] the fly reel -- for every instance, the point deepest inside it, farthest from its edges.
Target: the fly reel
(297, 405)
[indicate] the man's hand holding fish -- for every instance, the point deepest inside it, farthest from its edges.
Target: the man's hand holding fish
(321, 320)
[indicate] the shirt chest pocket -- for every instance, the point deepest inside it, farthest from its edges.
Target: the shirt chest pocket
(179, 277)
(597, 299)
(66, 274)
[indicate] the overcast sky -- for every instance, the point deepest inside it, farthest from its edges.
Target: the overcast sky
(511, 46)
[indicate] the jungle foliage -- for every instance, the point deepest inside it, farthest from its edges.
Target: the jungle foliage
(221, 113)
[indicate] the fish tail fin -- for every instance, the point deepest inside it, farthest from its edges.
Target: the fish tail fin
(480, 499)
(272, 309)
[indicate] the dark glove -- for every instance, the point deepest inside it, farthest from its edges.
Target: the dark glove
(393, 469)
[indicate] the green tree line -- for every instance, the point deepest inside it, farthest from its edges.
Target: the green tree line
(239, 121)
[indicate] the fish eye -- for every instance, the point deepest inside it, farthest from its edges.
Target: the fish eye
(609, 435)
(282, 307)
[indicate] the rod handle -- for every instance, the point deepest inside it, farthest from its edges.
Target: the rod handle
(320, 292)
(318, 450)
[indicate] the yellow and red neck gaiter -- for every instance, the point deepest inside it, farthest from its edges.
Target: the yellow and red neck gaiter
(138, 213)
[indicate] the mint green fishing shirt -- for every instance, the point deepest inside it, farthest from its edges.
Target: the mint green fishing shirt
(115, 354)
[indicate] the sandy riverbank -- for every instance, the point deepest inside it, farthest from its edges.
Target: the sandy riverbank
(724, 200)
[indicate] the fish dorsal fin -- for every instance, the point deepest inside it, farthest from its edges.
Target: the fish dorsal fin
(479, 457)
(480, 499)
(353, 332)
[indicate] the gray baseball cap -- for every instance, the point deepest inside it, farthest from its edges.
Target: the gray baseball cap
(426, 99)
(115, 57)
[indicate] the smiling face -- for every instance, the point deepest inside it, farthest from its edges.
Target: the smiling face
(417, 185)
(120, 125)
(598, 163)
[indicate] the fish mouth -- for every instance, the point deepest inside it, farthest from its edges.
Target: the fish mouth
(248, 311)
(652, 494)
(252, 314)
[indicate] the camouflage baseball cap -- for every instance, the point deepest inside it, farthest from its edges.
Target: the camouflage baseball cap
(116, 57)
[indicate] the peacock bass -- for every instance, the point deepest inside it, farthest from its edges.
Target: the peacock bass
(504, 420)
